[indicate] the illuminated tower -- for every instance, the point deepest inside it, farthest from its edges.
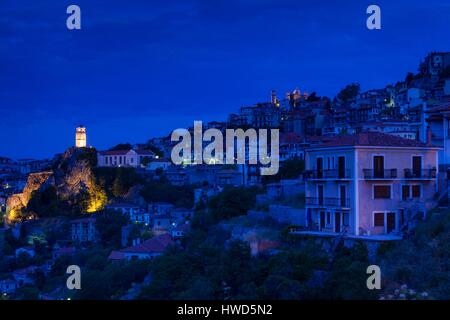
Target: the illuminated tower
(80, 137)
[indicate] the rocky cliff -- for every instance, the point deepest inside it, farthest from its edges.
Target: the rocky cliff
(17, 202)
(71, 177)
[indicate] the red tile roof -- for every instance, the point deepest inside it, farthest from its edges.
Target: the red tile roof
(116, 255)
(290, 137)
(154, 245)
(375, 139)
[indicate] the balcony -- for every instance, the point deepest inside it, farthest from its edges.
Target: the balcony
(420, 174)
(335, 174)
(328, 202)
(386, 174)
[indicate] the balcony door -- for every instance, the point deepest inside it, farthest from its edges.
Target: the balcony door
(341, 167)
(320, 194)
(322, 220)
(319, 166)
(390, 222)
(417, 166)
(342, 196)
(378, 166)
(337, 222)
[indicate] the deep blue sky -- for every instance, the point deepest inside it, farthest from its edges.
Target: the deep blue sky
(141, 68)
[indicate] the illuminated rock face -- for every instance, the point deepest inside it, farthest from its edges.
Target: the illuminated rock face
(71, 176)
(17, 202)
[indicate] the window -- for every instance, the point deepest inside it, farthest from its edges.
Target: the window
(415, 191)
(328, 217)
(402, 216)
(382, 192)
(405, 192)
(378, 219)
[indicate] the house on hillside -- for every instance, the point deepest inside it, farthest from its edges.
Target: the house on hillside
(368, 185)
(83, 230)
(146, 250)
(124, 158)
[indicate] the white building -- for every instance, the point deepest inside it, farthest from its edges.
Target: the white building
(124, 158)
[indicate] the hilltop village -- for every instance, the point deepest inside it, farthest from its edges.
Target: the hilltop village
(362, 179)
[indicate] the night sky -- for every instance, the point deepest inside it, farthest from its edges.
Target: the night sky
(142, 68)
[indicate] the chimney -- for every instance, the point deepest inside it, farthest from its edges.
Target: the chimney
(428, 135)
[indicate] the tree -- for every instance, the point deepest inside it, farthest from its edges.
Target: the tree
(409, 77)
(232, 202)
(349, 92)
(145, 161)
(122, 146)
(160, 191)
(44, 203)
(289, 169)
(154, 149)
(109, 226)
(313, 97)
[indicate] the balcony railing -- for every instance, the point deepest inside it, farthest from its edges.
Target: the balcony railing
(327, 174)
(380, 174)
(327, 202)
(420, 174)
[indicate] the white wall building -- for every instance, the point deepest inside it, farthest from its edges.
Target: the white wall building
(123, 158)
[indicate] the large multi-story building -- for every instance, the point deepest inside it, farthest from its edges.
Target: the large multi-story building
(83, 230)
(368, 184)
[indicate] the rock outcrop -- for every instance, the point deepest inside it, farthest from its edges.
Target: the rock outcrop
(71, 176)
(19, 201)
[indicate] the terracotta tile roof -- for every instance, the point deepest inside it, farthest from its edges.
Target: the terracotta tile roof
(290, 137)
(154, 245)
(376, 139)
(116, 255)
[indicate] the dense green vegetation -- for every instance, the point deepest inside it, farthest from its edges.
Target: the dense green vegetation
(205, 269)
(161, 191)
(116, 182)
(232, 202)
(423, 260)
(289, 169)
